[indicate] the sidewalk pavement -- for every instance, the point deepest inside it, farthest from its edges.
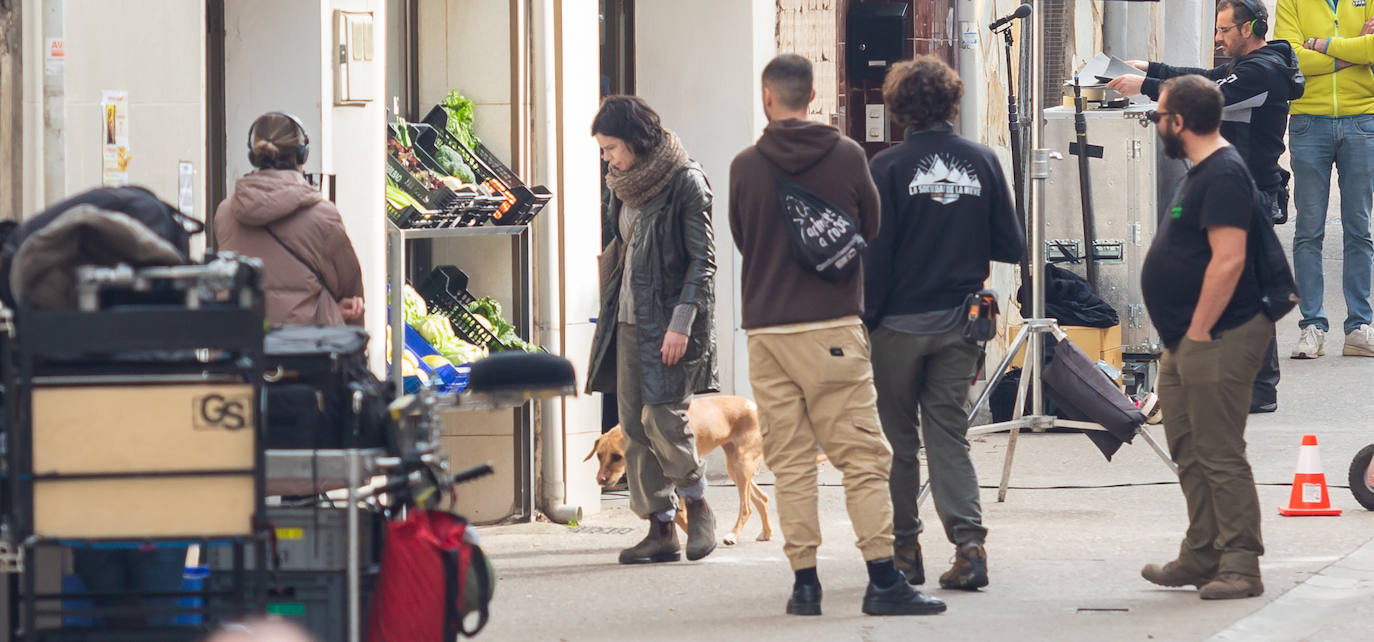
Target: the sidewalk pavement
(1064, 561)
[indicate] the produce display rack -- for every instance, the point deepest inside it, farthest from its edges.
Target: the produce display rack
(522, 202)
(519, 313)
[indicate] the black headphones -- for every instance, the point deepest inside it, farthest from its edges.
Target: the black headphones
(302, 150)
(1259, 17)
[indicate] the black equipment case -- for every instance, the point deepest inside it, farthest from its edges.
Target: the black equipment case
(320, 392)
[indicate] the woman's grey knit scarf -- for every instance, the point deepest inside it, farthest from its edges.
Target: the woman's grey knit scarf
(650, 173)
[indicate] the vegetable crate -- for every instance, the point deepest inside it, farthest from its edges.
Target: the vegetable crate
(432, 208)
(445, 291)
(522, 202)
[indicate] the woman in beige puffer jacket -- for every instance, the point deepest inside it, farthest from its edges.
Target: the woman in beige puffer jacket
(310, 271)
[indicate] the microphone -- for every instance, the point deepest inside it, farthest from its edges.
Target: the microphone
(1021, 12)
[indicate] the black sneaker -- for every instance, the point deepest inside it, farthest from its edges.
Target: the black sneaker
(805, 600)
(900, 599)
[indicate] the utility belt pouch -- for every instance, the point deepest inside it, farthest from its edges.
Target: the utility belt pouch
(981, 325)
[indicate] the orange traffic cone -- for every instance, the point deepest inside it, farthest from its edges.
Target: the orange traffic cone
(1309, 484)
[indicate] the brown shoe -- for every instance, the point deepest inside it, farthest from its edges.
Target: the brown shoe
(660, 545)
(970, 569)
(1231, 586)
(1173, 574)
(906, 555)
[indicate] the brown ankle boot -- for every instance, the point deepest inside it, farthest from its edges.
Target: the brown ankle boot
(1173, 574)
(906, 555)
(1230, 586)
(660, 545)
(970, 569)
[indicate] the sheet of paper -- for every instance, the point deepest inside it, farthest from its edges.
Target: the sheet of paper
(114, 133)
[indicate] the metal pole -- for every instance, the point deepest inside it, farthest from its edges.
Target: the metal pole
(1040, 170)
(1018, 168)
(354, 583)
(395, 268)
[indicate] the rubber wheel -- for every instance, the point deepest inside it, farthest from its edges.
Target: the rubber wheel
(1359, 487)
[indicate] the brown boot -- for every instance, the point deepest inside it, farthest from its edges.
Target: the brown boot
(970, 569)
(1230, 586)
(660, 545)
(701, 529)
(906, 555)
(1173, 574)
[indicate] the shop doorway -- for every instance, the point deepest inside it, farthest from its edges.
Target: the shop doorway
(617, 77)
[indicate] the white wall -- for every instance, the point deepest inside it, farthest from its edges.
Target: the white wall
(271, 63)
(154, 49)
(698, 65)
(353, 149)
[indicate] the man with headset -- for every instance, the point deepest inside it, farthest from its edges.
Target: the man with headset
(1257, 84)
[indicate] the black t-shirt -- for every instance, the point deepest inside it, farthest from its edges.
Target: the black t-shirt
(1217, 191)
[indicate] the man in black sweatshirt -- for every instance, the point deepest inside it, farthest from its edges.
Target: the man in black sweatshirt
(947, 211)
(1257, 85)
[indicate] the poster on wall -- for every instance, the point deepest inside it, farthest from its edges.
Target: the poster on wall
(114, 133)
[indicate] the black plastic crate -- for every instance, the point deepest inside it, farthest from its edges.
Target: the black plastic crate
(522, 202)
(443, 207)
(445, 292)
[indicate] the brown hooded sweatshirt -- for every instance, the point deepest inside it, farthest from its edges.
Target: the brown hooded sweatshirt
(281, 200)
(777, 290)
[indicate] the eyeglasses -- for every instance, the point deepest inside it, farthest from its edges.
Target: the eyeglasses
(1154, 115)
(1225, 30)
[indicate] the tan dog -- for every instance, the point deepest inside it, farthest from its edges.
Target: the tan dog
(729, 423)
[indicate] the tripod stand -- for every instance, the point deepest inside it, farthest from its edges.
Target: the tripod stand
(1031, 338)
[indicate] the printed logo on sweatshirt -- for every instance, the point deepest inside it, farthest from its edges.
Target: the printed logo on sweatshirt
(945, 178)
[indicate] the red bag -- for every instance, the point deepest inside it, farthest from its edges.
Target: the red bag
(432, 575)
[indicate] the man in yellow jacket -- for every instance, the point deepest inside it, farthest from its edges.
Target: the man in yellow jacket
(1333, 123)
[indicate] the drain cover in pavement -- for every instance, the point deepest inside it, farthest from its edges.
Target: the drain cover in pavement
(1099, 610)
(601, 530)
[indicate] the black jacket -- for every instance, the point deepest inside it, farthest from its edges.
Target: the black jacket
(1257, 87)
(946, 212)
(674, 262)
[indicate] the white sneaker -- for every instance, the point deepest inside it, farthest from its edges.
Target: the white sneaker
(1311, 343)
(1359, 343)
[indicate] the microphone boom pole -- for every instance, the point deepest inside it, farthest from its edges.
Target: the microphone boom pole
(1003, 25)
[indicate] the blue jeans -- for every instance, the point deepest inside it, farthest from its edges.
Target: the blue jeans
(1315, 143)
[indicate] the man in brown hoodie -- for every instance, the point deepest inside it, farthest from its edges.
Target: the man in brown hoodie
(808, 349)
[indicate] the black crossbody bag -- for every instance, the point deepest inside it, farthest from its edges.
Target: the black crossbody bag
(824, 238)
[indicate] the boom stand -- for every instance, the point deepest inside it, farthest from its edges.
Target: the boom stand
(1018, 171)
(1030, 337)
